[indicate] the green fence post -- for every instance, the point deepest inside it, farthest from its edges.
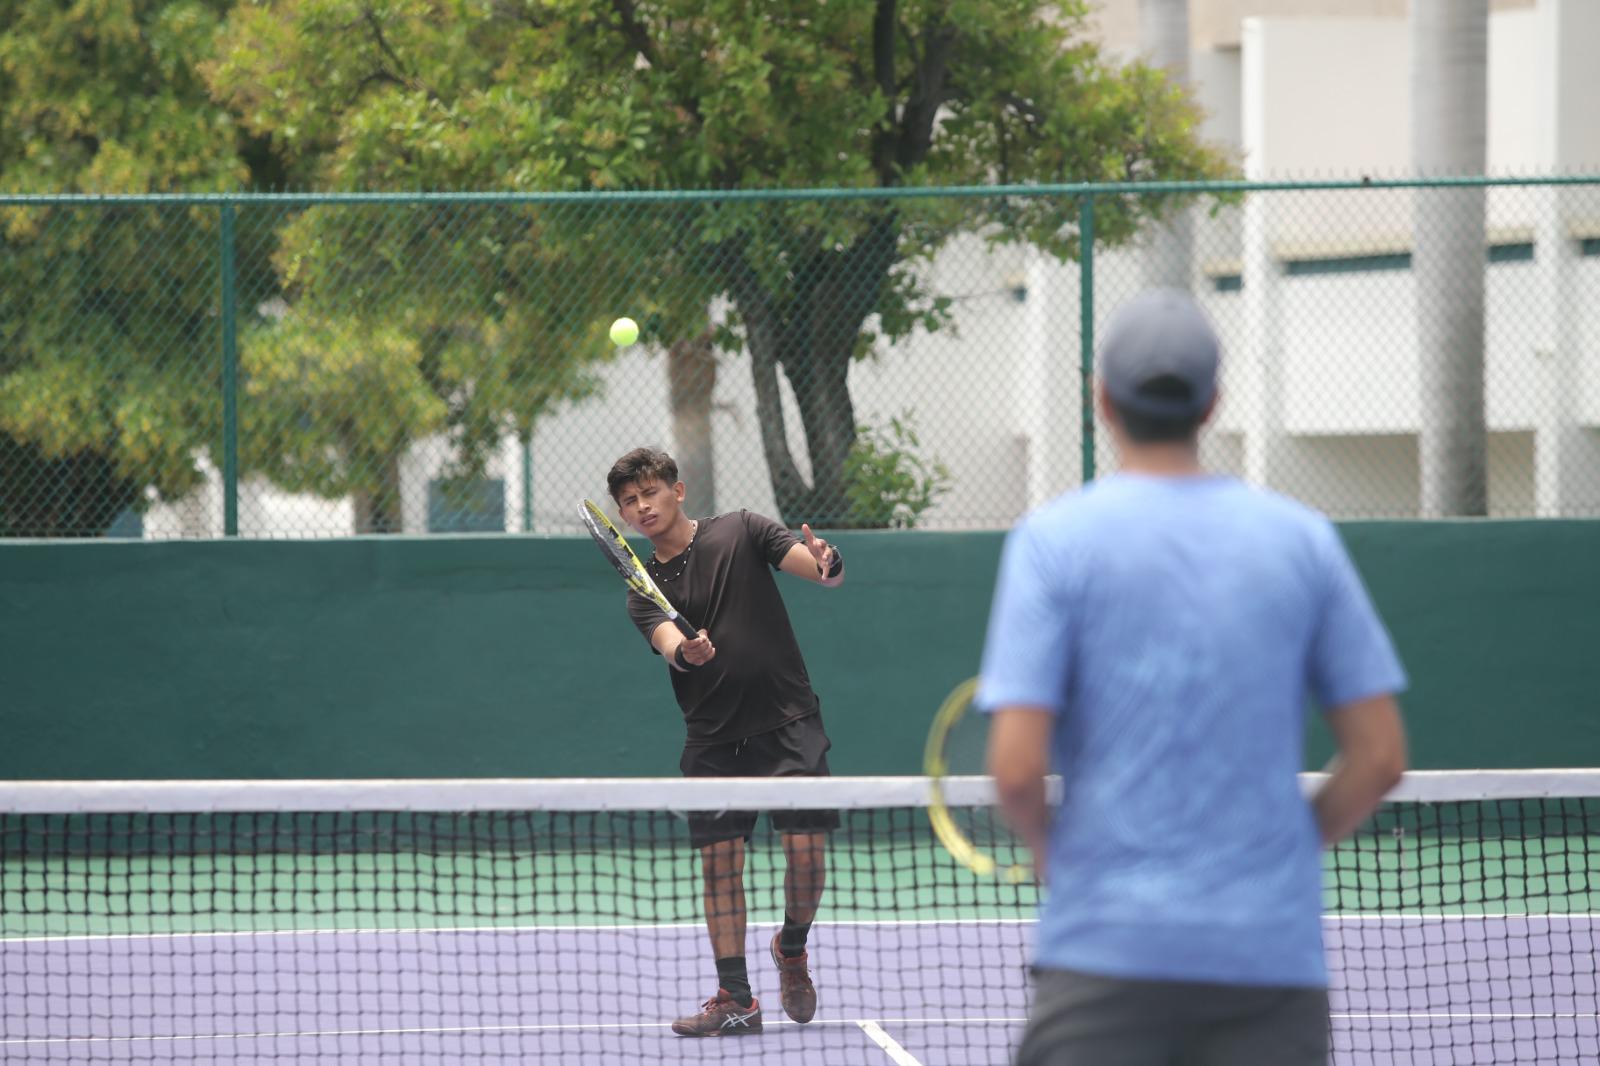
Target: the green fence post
(527, 481)
(230, 379)
(1086, 329)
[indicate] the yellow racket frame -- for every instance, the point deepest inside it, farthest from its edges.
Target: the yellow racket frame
(937, 768)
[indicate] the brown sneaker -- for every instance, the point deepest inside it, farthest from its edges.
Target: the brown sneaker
(799, 995)
(721, 1016)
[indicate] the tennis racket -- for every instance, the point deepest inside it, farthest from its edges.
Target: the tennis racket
(961, 803)
(616, 549)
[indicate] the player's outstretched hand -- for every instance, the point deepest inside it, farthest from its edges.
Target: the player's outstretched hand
(820, 549)
(700, 650)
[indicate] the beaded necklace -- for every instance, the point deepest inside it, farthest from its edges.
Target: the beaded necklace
(694, 531)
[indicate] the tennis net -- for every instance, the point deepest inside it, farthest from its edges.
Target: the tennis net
(561, 921)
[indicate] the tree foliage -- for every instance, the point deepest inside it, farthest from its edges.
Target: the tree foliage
(888, 479)
(370, 326)
(400, 322)
(108, 366)
(613, 94)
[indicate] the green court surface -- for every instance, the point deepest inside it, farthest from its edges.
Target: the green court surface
(367, 890)
(1408, 874)
(916, 880)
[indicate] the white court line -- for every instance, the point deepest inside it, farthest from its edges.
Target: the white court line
(446, 1030)
(632, 927)
(620, 1026)
(897, 1054)
(1486, 1016)
(1498, 917)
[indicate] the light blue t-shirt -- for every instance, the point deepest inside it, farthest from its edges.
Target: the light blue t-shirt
(1176, 627)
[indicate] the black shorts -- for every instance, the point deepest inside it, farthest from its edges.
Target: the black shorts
(796, 749)
(1085, 1020)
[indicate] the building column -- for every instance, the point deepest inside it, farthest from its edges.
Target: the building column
(1261, 409)
(1566, 452)
(1164, 39)
(1047, 382)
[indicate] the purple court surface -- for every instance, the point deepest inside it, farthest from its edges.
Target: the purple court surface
(1415, 991)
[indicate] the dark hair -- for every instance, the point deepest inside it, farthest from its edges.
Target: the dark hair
(1160, 429)
(641, 464)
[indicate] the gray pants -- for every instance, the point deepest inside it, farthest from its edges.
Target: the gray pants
(1083, 1020)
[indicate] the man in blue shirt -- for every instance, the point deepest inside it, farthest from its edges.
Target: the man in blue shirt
(1154, 638)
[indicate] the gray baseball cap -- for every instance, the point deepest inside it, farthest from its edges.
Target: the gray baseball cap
(1159, 356)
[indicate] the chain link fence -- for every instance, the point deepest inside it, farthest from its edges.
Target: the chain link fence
(309, 366)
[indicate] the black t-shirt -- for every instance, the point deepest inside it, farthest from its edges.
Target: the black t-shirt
(723, 583)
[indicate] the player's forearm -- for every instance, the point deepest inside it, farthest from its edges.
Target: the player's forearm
(1026, 810)
(666, 639)
(669, 641)
(815, 560)
(1352, 792)
(1372, 756)
(1019, 745)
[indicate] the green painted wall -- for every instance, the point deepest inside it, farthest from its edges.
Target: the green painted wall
(465, 656)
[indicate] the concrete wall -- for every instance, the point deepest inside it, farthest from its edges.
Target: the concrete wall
(1216, 24)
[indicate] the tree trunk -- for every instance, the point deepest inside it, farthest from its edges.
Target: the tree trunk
(72, 496)
(378, 510)
(821, 391)
(1449, 101)
(691, 383)
(1164, 38)
(820, 379)
(826, 416)
(764, 334)
(810, 331)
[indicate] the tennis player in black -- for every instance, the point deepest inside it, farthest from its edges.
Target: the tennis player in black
(748, 708)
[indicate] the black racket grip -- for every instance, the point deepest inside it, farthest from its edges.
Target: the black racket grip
(685, 628)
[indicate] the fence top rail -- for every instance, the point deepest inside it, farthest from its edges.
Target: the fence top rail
(666, 196)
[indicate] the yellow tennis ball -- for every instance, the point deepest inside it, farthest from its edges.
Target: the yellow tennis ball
(624, 331)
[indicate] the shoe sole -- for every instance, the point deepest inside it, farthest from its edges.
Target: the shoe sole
(750, 1028)
(740, 1031)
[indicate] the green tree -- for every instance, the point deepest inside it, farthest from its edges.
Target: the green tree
(507, 304)
(109, 367)
(364, 329)
(888, 479)
(407, 321)
(611, 94)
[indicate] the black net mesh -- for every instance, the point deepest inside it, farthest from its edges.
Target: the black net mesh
(1458, 932)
